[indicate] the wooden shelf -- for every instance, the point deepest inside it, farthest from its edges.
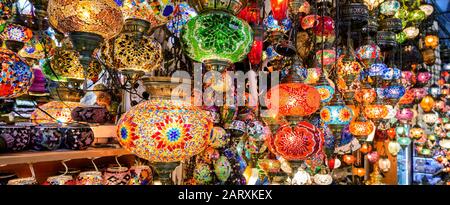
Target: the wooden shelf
(58, 155)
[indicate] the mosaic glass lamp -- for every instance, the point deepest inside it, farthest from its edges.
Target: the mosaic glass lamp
(368, 53)
(411, 32)
(102, 18)
(431, 41)
(67, 67)
(15, 36)
(275, 28)
(162, 130)
(55, 112)
(156, 12)
(427, 9)
(347, 64)
(182, 14)
(372, 4)
(427, 103)
(393, 93)
(255, 54)
(38, 47)
(279, 9)
(326, 91)
(15, 76)
(87, 23)
(299, 142)
(216, 37)
(361, 127)
(366, 94)
(133, 51)
(336, 115)
(376, 112)
(293, 99)
(390, 7)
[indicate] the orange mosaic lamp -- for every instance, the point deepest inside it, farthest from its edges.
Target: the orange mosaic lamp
(361, 127)
(293, 99)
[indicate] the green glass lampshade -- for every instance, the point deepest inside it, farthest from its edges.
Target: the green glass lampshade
(217, 36)
(416, 15)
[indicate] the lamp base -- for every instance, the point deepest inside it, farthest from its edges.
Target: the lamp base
(132, 75)
(136, 26)
(337, 131)
(294, 120)
(164, 170)
(285, 48)
(167, 87)
(85, 43)
(217, 65)
(66, 94)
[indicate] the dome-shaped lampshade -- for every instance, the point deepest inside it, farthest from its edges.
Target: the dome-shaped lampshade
(16, 32)
(431, 41)
(55, 112)
(427, 9)
(411, 32)
(394, 92)
(293, 99)
(416, 132)
(430, 118)
(102, 17)
(392, 74)
(38, 47)
(217, 38)
(164, 130)
(394, 147)
(15, 76)
(366, 94)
